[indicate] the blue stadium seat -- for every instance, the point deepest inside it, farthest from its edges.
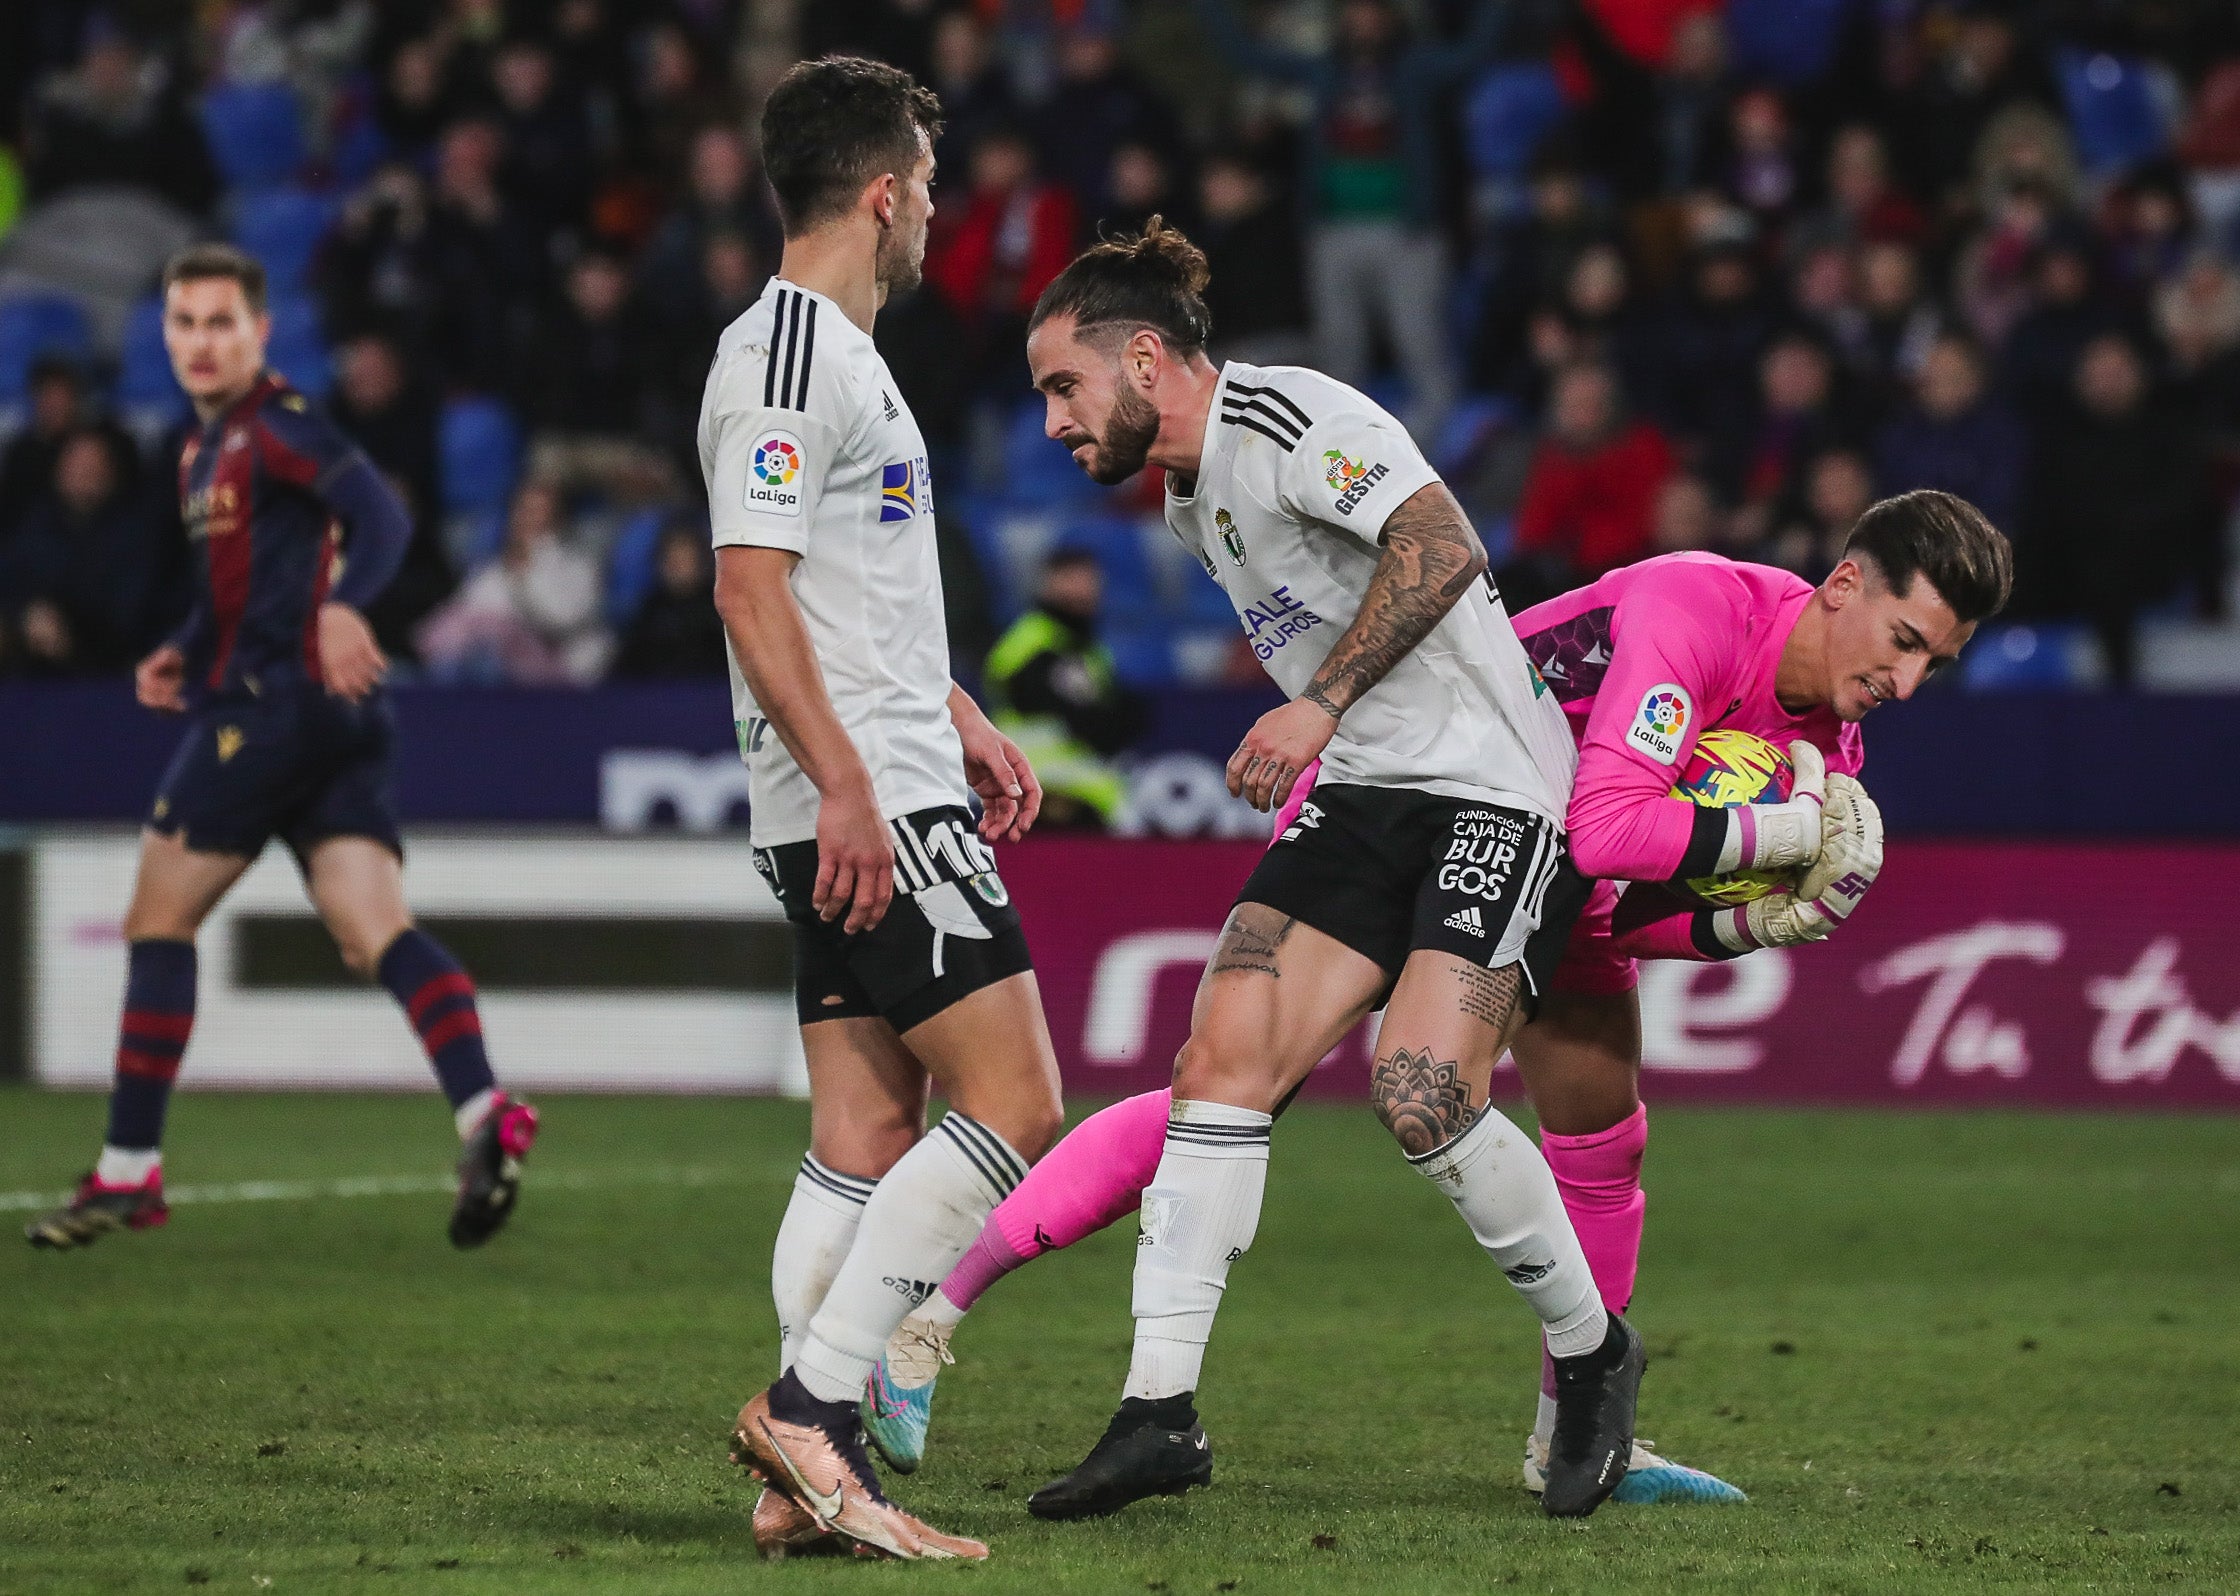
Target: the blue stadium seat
(35, 324)
(2116, 110)
(2024, 657)
(630, 565)
(1036, 470)
(255, 132)
(1512, 108)
(1789, 42)
(282, 227)
(1131, 587)
(148, 396)
(1142, 652)
(298, 350)
(481, 445)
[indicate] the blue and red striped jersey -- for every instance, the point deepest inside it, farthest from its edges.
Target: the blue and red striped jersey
(266, 488)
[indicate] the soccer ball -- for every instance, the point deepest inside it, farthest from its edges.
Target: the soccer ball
(1728, 768)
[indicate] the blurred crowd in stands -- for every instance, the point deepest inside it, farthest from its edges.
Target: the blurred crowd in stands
(1639, 274)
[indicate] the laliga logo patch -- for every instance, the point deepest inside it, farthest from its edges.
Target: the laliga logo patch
(1661, 721)
(775, 466)
(1350, 481)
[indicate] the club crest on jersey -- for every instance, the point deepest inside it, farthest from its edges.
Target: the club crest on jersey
(773, 473)
(1661, 721)
(898, 491)
(1350, 480)
(1231, 538)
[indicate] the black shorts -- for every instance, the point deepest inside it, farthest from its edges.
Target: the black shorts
(291, 762)
(1388, 870)
(950, 930)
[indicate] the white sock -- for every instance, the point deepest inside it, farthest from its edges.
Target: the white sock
(469, 1114)
(1497, 1180)
(925, 1213)
(127, 1166)
(813, 1239)
(941, 1310)
(1544, 1422)
(1199, 1215)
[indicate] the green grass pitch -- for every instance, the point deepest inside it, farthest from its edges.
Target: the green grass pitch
(1941, 1353)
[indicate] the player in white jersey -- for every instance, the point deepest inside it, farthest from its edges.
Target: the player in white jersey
(1426, 875)
(863, 755)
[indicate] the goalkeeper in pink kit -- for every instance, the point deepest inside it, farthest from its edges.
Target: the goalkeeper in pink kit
(1643, 662)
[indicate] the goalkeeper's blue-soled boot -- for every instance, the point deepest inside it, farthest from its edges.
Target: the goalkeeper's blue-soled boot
(898, 1403)
(1149, 1449)
(1593, 1444)
(1651, 1479)
(95, 1209)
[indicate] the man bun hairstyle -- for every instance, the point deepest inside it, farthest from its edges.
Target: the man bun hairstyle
(835, 124)
(202, 263)
(1944, 538)
(1156, 278)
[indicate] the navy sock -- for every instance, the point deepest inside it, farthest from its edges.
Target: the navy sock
(438, 998)
(151, 1039)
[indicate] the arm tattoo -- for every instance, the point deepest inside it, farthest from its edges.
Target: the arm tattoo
(1423, 1101)
(1490, 995)
(1250, 942)
(1431, 556)
(1321, 700)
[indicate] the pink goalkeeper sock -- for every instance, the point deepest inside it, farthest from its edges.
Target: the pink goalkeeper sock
(1096, 1175)
(1599, 1177)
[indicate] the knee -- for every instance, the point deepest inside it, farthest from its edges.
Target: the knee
(147, 923)
(1215, 1066)
(1423, 1100)
(868, 1147)
(361, 954)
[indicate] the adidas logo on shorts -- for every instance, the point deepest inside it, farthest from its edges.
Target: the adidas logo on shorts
(1466, 920)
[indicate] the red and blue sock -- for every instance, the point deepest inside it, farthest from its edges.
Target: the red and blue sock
(438, 997)
(151, 1040)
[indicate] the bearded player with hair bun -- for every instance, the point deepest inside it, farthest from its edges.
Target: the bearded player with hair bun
(1643, 662)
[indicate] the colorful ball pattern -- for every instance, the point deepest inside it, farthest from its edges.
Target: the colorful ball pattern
(776, 461)
(1726, 769)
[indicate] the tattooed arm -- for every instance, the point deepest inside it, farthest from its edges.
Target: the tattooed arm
(1430, 557)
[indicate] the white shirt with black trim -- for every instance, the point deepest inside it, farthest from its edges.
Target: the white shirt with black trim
(1298, 475)
(806, 445)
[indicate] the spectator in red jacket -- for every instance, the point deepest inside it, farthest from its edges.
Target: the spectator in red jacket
(994, 250)
(1590, 498)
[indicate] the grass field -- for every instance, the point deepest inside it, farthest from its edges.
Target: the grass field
(1941, 1353)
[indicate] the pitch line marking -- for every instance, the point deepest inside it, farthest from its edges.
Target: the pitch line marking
(269, 1191)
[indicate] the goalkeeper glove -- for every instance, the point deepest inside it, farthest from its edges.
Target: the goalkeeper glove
(1849, 859)
(1784, 835)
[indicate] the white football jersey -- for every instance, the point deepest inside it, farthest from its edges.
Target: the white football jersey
(1296, 479)
(806, 445)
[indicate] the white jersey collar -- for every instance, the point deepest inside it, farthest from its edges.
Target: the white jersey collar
(1211, 443)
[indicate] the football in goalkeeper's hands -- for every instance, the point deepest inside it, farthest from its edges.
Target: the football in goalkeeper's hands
(1726, 769)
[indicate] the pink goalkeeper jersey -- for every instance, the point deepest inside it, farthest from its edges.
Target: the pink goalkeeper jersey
(1643, 662)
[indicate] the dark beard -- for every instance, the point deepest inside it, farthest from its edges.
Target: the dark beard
(1128, 437)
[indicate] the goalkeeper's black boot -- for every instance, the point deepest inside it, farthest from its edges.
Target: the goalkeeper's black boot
(490, 1171)
(94, 1210)
(1595, 1397)
(1149, 1449)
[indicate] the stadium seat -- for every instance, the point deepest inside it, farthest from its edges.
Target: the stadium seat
(36, 324)
(283, 228)
(2119, 108)
(1142, 652)
(255, 132)
(1131, 587)
(149, 398)
(481, 446)
(1509, 112)
(630, 564)
(299, 349)
(2025, 657)
(1787, 42)
(1036, 470)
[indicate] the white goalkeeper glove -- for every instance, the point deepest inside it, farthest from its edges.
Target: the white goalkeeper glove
(1850, 857)
(1785, 835)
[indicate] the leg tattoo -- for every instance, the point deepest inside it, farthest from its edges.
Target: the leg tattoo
(1490, 995)
(1423, 1101)
(1250, 941)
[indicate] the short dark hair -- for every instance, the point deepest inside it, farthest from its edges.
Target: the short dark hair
(1944, 538)
(1156, 278)
(832, 125)
(201, 263)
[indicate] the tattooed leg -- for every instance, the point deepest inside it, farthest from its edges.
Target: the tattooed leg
(1276, 997)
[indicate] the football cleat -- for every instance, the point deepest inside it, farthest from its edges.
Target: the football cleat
(783, 1527)
(1650, 1479)
(1595, 1397)
(898, 1403)
(95, 1209)
(1142, 1454)
(490, 1171)
(823, 1468)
